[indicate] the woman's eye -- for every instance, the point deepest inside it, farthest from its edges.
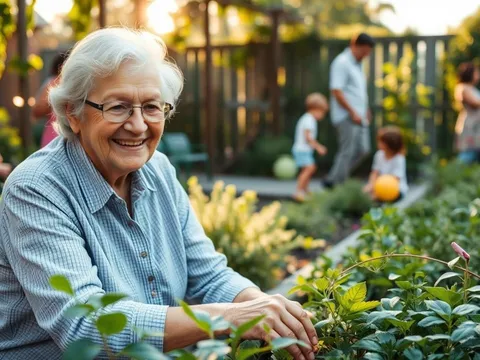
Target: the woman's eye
(151, 107)
(117, 107)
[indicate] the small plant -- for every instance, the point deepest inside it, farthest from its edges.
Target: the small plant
(255, 243)
(108, 324)
(415, 322)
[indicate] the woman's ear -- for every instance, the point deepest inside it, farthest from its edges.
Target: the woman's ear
(73, 120)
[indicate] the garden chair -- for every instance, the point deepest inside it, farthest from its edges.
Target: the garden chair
(183, 154)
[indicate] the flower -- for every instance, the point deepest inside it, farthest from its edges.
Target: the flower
(462, 253)
(193, 181)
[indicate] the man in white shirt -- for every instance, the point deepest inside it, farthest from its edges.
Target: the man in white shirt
(349, 108)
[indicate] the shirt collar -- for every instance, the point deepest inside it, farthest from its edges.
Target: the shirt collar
(94, 187)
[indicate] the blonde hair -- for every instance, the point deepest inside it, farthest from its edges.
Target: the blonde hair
(316, 101)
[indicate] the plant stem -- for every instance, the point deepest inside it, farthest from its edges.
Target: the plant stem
(465, 283)
(110, 354)
(407, 256)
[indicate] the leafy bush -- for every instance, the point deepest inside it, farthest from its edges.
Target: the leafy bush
(255, 243)
(108, 323)
(416, 321)
(265, 150)
(325, 212)
(10, 142)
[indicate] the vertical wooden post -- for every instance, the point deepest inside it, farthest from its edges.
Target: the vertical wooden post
(274, 87)
(24, 111)
(210, 127)
(102, 16)
(140, 13)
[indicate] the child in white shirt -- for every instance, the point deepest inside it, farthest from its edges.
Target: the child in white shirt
(389, 159)
(305, 142)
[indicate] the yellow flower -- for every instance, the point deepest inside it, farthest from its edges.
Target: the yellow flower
(250, 195)
(231, 190)
(193, 181)
(426, 150)
(15, 141)
(443, 162)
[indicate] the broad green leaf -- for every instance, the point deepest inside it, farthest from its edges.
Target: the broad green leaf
(439, 307)
(465, 309)
(140, 351)
(182, 355)
(79, 310)
(281, 343)
(110, 324)
(341, 301)
(430, 321)
(247, 353)
(364, 306)
(463, 334)
(404, 325)
(211, 348)
(201, 318)
(322, 284)
(474, 289)
(389, 304)
(368, 345)
(343, 279)
(447, 275)
(375, 316)
(319, 325)
(450, 297)
(95, 301)
(356, 293)
(371, 356)
(413, 354)
(82, 349)
(219, 324)
(437, 356)
(405, 285)
(188, 310)
(385, 338)
(394, 277)
(413, 338)
(61, 283)
(438, 337)
(242, 329)
(112, 298)
(452, 263)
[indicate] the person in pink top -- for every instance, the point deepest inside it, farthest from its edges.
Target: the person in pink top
(42, 107)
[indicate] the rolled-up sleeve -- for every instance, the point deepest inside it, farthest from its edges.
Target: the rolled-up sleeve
(41, 239)
(210, 280)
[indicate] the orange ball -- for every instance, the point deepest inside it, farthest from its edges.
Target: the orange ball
(387, 188)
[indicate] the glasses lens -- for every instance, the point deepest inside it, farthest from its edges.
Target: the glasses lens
(116, 112)
(153, 111)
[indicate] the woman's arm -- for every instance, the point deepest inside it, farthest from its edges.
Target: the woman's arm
(469, 98)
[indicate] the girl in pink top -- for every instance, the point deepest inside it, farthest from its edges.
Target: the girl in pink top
(42, 107)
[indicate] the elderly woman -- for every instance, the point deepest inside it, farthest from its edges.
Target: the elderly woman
(102, 207)
(468, 124)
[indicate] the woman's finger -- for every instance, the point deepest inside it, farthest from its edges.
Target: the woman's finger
(294, 350)
(295, 329)
(304, 317)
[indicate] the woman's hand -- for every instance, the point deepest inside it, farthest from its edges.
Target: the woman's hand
(284, 317)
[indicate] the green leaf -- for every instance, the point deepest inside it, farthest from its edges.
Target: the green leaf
(82, 349)
(404, 325)
(372, 356)
(140, 351)
(219, 324)
(447, 275)
(61, 283)
(188, 310)
(247, 353)
(375, 316)
(385, 338)
(182, 354)
(464, 332)
(369, 345)
(450, 297)
(474, 289)
(437, 356)
(110, 324)
(356, 293)
(452, 263)
(465, 309)
(242, 329)
(439, 307)
(413, 338)
(79, 310)
(322, 323)
(413, 354)
(389, 304)
(281, 343)
(322, 284)
(364, 306)
(207, 348)
(112, 298)
(438, 337)
(405, 285)
(430, 321)
(394, 277)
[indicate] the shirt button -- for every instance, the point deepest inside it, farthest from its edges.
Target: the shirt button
(154, 293)
(151, 278)
(143, 254)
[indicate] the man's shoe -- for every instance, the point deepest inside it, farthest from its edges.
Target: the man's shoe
(328, 184)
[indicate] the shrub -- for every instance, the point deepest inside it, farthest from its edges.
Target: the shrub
(10, 141)
(255, 243)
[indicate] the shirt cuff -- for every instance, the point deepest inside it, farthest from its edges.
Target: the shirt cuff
(150, 318)
(230, 289)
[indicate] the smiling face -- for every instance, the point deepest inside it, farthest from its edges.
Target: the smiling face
(118, 149)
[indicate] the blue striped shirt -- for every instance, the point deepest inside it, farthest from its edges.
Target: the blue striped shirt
(59, 216)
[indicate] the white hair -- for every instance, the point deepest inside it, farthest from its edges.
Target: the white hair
(101, 54)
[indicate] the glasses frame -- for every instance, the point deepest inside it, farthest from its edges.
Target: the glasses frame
(100, 107)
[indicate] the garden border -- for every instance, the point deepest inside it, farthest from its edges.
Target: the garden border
(335, 253)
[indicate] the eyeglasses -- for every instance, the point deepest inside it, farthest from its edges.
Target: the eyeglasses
(119, 112)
